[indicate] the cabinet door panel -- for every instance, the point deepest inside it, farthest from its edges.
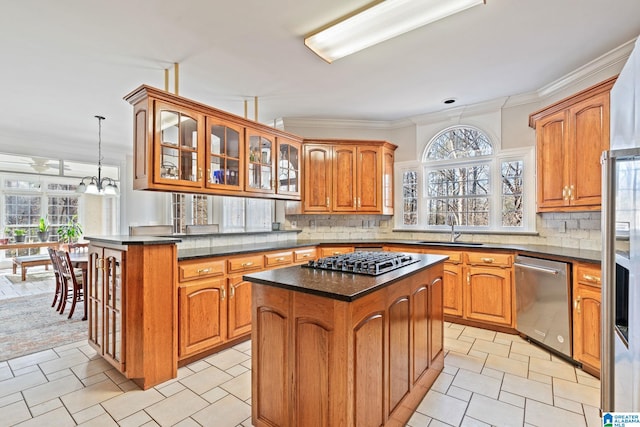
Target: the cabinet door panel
(369, 371)
(114, 345)
(317, 178)
(344, 179)
(202, 313)
(369, 179)
(590, 125)
(453, 289)
(436, 324)
(587, 327)
(239, 303)
(177, 149)
(224, 154)
(399, 351)
(489, 295)
(420, 316)
(551, 136)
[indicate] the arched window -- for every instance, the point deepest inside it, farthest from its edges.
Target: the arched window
(467, 181)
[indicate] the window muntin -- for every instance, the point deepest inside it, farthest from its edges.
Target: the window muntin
(459, 142)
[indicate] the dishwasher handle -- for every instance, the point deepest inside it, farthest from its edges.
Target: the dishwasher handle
(537, 268)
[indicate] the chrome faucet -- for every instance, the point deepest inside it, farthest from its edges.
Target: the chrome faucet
(452, 220)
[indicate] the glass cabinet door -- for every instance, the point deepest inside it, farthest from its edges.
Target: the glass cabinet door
(224, 150)
(177, 145)
(260, 173)
(288, 181)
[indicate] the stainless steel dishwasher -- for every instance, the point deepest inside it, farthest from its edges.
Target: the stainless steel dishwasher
(542, 302)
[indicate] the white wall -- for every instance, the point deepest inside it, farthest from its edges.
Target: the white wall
(141, 207)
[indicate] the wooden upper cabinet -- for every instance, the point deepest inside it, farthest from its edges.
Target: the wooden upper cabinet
(570, 138)
(289, 167)
(181, 145)
(344, 179)
(348, 177)
(260, 162)
(317, 178)
(178, 151)
(225, 160)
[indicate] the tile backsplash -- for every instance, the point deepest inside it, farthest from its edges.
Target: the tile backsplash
(572, 229)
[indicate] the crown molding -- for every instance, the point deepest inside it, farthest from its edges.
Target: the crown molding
(603, 62)
(309, 122)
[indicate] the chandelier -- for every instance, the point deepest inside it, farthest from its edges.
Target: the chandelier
(98, 184)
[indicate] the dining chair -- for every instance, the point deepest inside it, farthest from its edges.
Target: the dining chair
(72, 282)
(78, 247)
(59, 279)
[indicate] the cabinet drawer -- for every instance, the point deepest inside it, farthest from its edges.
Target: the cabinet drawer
(488, 258)
(191, 270)
(245, 263)
(589, 275)
(454, 256)
(278, 258)
(337, 250)
(304, 255)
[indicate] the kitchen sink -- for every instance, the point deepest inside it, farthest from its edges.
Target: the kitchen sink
(441, 243)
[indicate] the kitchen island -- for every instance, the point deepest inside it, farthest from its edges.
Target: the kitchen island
(339, 348)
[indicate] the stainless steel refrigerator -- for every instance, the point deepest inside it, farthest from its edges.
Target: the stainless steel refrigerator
(620, 347)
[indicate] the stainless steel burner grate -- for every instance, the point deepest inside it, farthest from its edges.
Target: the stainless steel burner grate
(370, 263)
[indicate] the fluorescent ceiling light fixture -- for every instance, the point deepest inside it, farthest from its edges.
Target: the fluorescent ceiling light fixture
(382, 21)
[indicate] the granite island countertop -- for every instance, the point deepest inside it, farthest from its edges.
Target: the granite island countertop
(344, 286)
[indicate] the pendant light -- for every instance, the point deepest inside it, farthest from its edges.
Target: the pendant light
(98, 184)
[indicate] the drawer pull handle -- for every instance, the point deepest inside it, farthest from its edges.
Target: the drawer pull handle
(590, 278)
(306, 256)
(247, 264)
(337, 253)
(280, 259)
(576, 304)
(223, 292)
(232, 292)
(487, 260)
(204, 270)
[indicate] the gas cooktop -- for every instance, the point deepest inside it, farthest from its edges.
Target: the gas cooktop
(370, 263)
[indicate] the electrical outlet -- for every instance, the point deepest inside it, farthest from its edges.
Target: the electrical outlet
(294, 224)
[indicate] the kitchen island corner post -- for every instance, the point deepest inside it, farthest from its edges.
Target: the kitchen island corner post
(318, 360)
(133, 306)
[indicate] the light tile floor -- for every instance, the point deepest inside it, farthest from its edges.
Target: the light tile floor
(489, 378)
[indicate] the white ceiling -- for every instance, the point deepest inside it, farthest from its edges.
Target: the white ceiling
(64, 61)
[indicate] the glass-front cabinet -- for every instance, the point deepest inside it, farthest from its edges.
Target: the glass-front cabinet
(260, 156)
(177, 148)
(183, 146)
(289, 159)
(225, 148)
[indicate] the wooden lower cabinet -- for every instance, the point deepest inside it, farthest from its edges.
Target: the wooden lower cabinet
(214, 302)
(586, 316)
(239, 306)
(323, 362)
(203, 315)
(488, 296)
